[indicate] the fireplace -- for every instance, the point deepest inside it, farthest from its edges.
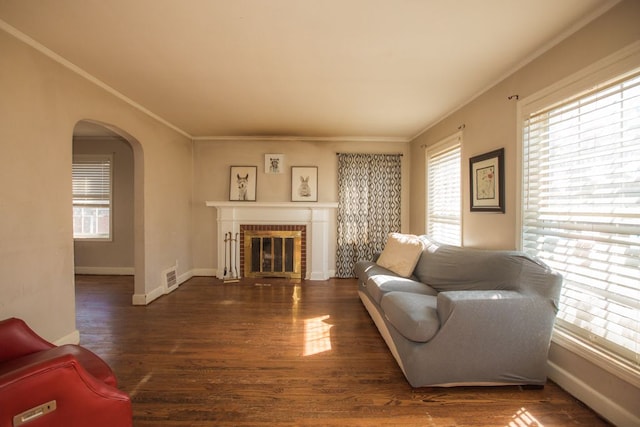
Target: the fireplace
(272, 250)
(318, 241)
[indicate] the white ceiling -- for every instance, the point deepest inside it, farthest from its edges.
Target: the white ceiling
(381, 69)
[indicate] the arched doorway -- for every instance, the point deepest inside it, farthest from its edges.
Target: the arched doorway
(116, 246)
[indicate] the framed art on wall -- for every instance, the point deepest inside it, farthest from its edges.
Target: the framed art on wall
(242, 183)
(486, 173)
(304, 183)
(274, 163)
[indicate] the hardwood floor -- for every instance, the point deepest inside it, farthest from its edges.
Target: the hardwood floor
(273, 353)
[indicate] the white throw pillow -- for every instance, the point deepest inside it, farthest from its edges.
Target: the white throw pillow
(401, 253)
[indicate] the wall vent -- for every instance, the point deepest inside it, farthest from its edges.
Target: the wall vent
(170, 277)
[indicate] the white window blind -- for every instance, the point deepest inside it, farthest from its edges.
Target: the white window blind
(581, 211)
(91, 197)
(443, 192)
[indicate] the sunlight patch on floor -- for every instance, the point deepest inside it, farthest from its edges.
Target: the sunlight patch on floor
(523, 418)
(317, 335)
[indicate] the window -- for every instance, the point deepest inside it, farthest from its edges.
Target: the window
(92, 196)
(443, 191)
(581, 212)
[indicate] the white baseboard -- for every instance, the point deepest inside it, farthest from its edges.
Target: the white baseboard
(600, 403)
(205, 272)
(106, 271)
(145, 299)
(72, 338)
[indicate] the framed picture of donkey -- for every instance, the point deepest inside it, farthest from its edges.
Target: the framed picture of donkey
(304, 183)
(242, 183)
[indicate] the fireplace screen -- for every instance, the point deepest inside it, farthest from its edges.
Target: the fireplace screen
(272, 254)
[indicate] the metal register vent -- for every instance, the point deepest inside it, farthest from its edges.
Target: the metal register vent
(273, 253)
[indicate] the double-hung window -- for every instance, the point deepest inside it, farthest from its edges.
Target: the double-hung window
(443, 191)
(581, 212)
(92, 196)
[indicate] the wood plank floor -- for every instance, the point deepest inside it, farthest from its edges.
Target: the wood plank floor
(274, 353)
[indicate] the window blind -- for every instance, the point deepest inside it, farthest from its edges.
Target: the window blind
(91, 182)
(581, 211)
(443, 193)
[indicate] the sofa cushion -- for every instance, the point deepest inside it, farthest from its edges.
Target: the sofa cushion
(401, 253)
(451, 268)
(415, 316)
(381, 284)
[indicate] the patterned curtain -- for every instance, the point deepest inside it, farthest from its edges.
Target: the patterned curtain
(369, 187)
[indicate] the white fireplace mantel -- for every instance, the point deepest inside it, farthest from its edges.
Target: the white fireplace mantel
(317, 217)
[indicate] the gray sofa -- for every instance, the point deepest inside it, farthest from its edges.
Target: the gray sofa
(465, 316)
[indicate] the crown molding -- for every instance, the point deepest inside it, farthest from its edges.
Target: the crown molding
(252, 138)
(82, 73)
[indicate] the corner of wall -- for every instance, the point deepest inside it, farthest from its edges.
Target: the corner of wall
(72, 338)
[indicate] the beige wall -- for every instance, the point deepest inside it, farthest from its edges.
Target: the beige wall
(40, 105)
(212, 160)
(490, 123)
(114, 256)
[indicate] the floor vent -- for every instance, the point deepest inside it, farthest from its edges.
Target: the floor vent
(170, 278)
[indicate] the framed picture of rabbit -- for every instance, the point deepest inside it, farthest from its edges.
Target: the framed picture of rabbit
(304, 183)
(242, 183)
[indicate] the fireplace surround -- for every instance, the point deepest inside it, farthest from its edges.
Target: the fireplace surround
(319, 220)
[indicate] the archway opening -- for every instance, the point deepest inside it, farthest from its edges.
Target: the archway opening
(108, 202)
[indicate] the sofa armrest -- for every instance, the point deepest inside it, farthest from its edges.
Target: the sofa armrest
(18, 340)
(495, 316)
(81, 400)
(476, 302)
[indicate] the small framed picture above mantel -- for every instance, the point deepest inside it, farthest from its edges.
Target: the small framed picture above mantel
(242, 183)
(304, 183)
(274, 163)
(486, 173)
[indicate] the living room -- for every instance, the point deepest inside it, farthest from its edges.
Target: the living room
(45, 96)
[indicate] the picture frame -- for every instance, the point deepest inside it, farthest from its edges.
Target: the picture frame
(304, 183)
(242, 183)
(274, 163)
(486, 174)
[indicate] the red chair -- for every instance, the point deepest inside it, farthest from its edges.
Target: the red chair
(43, 385)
